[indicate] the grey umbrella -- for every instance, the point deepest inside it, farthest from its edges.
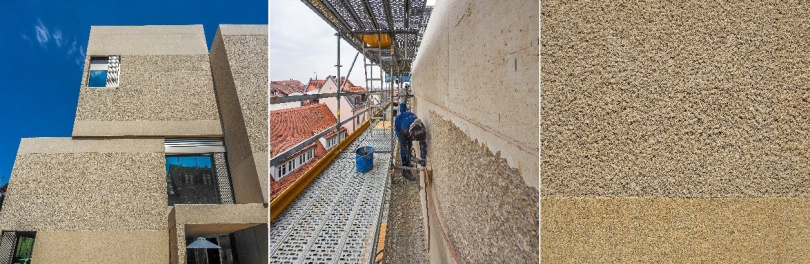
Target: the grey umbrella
(202, 243)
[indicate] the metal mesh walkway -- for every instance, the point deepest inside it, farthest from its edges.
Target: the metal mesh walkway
(335, 219)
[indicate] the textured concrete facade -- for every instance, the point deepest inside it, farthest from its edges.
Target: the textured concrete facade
(239, 63)
(477, 66)
(166, 88)
(87, 190)
(45, 184)
(102, 196)
(675, 131)
(476, 88)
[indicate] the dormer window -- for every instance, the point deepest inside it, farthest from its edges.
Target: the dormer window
(104, 72)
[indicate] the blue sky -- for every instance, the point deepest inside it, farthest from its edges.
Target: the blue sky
(42, 47)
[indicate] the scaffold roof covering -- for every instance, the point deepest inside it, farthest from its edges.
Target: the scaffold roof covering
(403, 20)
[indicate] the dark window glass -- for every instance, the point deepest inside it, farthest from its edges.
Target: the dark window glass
(98, 79)
(24, 248)
(191, 180)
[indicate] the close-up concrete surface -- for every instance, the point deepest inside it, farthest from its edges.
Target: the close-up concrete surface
(675, 131)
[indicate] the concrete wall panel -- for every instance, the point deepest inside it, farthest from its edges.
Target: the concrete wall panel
(483, 204)
(239, 64)
(686, 99)
(94, 188)
(478, 67)
(176, 91)
(143, 246)
(146, 40)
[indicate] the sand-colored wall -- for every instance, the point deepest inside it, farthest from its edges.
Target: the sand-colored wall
(477, 66)
(675, 130)
(90, 199)
(141, 246)
(476, 88)
(164, 90)
(239, 62)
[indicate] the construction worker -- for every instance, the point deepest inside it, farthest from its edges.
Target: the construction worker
(409, 128)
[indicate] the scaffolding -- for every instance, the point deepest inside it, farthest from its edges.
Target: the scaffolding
(387, 33)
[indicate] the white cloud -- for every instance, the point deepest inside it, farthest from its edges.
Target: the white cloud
(72, 48)
(80, 59)
(57, 37)
(42, 33)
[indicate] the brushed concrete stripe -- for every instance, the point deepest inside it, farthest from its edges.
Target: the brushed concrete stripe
(69, 145)
(139, 246)
(198, 128)
(146, 40)
(655, 230)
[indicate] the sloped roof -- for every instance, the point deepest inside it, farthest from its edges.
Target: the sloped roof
(290, 126)
(286, 87)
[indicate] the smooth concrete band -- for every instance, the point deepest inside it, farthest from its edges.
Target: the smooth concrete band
(69, 145)
(138, 246)
(660, 230)
(200, 128)
(146, 40)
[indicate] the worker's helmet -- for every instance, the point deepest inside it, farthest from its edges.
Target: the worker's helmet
(417, 130)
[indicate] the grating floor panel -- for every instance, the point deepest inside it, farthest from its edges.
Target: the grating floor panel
(335, 219)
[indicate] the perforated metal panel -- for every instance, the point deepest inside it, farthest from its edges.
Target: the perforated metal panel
(336, 218)
(223, 178)
(113, 71)
(7, 244)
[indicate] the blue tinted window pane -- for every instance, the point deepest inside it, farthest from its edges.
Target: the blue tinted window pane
(98, 79)
(191, 180)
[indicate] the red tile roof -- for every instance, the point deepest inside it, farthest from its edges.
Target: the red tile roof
(285, 87)
(290, 126)
(315, 84)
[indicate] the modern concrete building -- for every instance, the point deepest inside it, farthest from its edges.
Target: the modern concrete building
(168, 146)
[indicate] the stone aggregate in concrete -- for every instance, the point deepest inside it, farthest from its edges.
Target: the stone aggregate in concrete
(488, 213)
(119, 191)
(675, 99)
(153, 88)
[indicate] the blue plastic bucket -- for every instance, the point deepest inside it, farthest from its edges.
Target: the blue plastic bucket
(364, 157)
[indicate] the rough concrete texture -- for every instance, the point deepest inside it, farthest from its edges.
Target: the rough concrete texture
(684, 230)
(479, 62)
(144, 246)
(675, 99)
(146, 40)
(87, 190)
(158, 95)
(405, 238)
(487, 211)
(239, 64)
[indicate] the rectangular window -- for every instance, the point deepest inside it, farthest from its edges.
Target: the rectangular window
(191, 179)
(104, 71)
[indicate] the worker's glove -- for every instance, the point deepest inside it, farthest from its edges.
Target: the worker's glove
(422, 162)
